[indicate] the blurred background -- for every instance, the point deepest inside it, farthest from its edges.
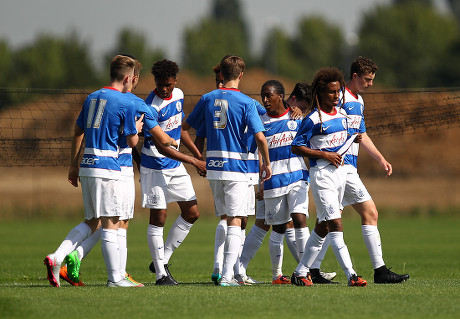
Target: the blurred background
(53, 53)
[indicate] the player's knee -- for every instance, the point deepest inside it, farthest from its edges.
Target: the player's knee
(370, 216)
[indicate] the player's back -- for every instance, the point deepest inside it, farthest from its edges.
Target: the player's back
(105, 114)
(228, 118)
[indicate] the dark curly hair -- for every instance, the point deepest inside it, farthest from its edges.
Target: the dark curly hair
(165, 69)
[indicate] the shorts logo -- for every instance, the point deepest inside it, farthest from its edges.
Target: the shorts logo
(153, 200)
(178, 106)
(216, 163)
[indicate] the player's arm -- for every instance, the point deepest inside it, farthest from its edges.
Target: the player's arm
(75, 150)
(199, 143)
(188, 143)
(162, 138)
(181, 157)
(265, 171)
(372, 150)
(133, 139)
(334, 158)
(137, 158)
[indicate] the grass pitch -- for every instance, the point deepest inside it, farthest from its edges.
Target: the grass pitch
(428, 248)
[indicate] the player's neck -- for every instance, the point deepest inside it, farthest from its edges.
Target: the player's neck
(352, 88)
(232, 84)
(118, 86)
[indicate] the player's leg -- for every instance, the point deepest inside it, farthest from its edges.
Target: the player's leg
(181, 227)
(78, 234)
(371, 235)
(156, 242)
(357, 195)
(289, 237)
(219, 241)
(234, 206)
(254, 238)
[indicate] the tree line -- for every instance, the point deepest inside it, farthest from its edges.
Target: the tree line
(413, 44)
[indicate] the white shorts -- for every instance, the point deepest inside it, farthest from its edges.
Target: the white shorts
(102, 197)
(166, 186)
(260, 209)
(128, 192)
(327, 188)
(230, 197)
(251, 208)
(355, 191)
(278, 210)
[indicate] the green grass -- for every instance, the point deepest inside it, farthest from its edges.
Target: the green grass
(428, 248)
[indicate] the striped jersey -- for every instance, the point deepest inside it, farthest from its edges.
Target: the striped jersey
(354, 107)
(327, 132)
(125, 152)
(106, 117)
(227, 115)
(169, 113)
(287, 168)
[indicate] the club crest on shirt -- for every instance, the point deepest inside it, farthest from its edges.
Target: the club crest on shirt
(344, 123)
(292, 125)
(179, 106)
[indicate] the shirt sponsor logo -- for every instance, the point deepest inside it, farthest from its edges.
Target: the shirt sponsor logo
(337, 139)
(216, 163)
(89, 161)
(354, 121)
(172, 123)
(281, 139)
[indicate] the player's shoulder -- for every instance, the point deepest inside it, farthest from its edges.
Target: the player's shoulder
(177, 93)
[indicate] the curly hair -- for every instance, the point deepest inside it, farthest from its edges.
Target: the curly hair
(322, 77)
(165, 69)
(362, 66)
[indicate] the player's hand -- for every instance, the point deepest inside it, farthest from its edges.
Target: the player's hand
(139, 123)
(296, 113)
(334, 158)
(386, 167)
(174, 144)
(200, 167)
(73, 176)
(265, 172)
(358, 138)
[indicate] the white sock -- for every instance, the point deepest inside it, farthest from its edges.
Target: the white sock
(156, 247)
(371, 236)
(123, 246)
(341, 253)
(219, 243)
(301, 237)
(74, 238)
(312, 249)
(237, 268)
(176, 236)
(88, 244)
(111, 254)
(252, 244)
(317, 263)
(276, 247)
(289, 236)
(232, 247)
